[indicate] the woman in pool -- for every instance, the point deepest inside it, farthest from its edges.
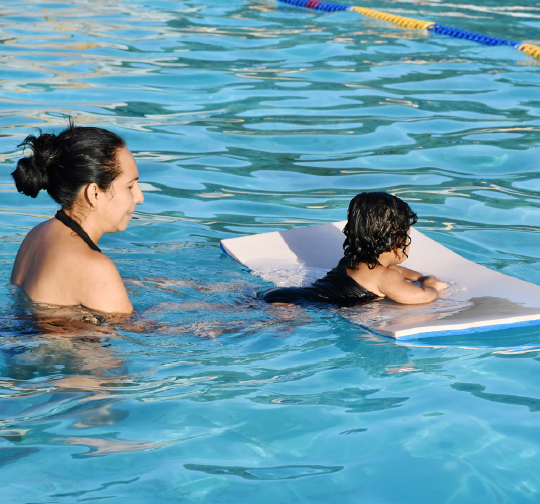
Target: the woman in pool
(376, 242)
(93, 176)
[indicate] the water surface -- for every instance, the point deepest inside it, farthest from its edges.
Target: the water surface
(245, 117)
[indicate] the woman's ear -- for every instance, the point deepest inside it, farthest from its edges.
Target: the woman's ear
(92, 195)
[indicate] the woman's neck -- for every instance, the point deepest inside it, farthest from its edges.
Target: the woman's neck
(87, 222)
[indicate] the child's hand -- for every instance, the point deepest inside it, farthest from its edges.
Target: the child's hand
(431, 281)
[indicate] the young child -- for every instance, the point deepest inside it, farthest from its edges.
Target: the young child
(376, 241)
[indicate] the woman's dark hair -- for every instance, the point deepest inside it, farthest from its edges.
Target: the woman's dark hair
(63, 164)
(377, 222)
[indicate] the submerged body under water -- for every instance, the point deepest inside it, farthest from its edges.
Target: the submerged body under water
(246, 117)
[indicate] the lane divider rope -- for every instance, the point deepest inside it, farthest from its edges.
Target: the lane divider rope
(417, 24)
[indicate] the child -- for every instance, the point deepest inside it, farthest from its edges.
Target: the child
(376, 241)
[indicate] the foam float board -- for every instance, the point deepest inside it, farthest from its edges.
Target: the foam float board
(477, 299)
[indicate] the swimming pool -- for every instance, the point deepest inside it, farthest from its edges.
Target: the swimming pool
(247, 117)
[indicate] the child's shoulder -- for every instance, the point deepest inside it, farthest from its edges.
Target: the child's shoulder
(389, 274)
(369, 278)
(384, 276)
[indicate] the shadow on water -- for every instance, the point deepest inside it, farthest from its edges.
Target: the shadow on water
(266, 473)
(354, 400)
(11, 454)
(513, 400)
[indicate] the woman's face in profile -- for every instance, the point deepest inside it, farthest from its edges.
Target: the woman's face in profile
(125, 194)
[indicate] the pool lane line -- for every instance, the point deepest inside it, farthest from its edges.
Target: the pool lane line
(417, 24)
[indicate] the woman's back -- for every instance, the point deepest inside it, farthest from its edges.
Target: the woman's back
(51, 263)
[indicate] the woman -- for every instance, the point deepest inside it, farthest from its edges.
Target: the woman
(94, 177)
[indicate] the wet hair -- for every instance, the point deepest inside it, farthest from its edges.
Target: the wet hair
(63, 164)
(377, 222)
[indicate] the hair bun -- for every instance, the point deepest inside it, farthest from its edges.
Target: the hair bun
(32, 172)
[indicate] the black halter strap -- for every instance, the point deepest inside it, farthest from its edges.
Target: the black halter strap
(70, 223)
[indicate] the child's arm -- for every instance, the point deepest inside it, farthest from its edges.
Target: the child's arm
(393, 284)
(407, 273)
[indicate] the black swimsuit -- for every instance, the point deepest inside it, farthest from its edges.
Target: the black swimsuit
(70, 223)
(335, 288)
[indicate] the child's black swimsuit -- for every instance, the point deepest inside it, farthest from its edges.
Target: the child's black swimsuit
(335, 288)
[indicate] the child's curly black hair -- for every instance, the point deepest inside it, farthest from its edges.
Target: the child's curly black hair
(377, 222)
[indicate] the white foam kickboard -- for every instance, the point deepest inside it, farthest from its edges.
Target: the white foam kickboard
(477, 298)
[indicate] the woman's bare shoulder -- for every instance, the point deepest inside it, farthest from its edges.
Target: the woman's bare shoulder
(101, 286)
(98, 265)
(54, 265)
(29, 250)
(34, 234)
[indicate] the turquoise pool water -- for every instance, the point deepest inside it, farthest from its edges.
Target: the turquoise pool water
(247, 117)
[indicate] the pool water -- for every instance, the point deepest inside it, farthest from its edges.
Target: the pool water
(246, 117)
